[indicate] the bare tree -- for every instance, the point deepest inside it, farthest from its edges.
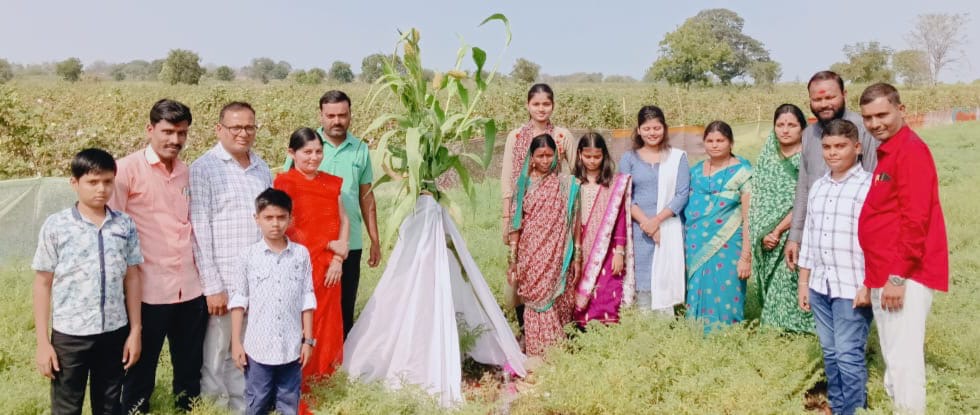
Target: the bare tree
(939, 36)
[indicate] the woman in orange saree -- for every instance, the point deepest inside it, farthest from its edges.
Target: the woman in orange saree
(320, 224)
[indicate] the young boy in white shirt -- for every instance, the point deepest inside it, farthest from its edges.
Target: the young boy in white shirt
(274, 285)
(831, 280)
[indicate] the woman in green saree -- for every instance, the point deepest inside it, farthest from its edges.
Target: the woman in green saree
(770, 213)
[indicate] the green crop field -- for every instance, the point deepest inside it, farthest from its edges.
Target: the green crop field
(44, 122)
(644, 365)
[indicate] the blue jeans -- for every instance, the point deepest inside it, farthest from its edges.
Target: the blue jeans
(843, 332)
(269, 387)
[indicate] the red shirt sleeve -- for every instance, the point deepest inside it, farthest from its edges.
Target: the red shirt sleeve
(916, 179)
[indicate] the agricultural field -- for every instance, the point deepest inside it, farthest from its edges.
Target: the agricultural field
(644, 365)
(44, 122)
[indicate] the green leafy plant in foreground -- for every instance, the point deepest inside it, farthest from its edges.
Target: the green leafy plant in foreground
(432, 121)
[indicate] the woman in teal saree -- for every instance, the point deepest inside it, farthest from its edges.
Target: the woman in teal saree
(716, 231)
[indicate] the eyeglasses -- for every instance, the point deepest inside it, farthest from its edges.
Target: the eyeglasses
(236, 130)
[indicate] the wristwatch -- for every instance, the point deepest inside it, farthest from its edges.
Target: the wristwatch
(896, 280)
(311, 342)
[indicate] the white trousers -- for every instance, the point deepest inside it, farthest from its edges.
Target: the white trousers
(221, 380)
(902, 335)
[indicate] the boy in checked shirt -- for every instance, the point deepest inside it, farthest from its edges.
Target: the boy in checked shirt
(831, 280)
(274, 284)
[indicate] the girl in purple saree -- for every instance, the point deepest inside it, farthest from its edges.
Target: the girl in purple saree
(607, 283)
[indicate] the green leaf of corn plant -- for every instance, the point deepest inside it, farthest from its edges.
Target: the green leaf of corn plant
(464, 95)
(413, 140)
(449, 125)
(380, 155)
(384, 179)
(479, 58)
(503, 19)
(405, 206)
(381, 121)
(454, 211)
(464, 175)
(489, 136)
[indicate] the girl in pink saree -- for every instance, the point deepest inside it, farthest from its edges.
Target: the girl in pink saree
(607, 281)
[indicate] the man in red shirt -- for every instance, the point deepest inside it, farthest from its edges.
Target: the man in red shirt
(903, 235)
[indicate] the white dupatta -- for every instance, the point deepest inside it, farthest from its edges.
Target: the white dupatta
(408, 333)
(667, 272)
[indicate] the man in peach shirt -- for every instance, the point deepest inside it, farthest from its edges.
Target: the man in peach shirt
(152, 186)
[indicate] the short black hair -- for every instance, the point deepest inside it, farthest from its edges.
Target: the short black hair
(273, 197)
(840, 127)
(334, 96)
(170, 111)
(92, 160)
(234, 106)
(826, 76)
(879, 90)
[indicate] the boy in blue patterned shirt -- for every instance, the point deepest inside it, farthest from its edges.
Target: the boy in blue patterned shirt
(87, 284)
(274, 285)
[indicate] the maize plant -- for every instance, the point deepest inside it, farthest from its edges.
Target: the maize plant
(431, 122)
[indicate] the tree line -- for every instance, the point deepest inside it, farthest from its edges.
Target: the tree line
(711, 47)
(707, 48)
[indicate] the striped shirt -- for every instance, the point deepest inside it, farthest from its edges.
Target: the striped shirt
(274, 289)
(830, 239)
(222, 213)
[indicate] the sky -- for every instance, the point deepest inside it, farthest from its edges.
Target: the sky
(612, 37)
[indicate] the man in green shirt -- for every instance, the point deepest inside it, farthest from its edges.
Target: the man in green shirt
(347, 157)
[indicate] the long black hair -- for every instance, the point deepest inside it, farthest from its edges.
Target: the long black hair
(606, 171)
(541, 89)
(647, 113)
(722, 128)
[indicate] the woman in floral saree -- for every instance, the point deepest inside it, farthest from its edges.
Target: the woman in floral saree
(545, 257)
(773, 188)
(717, 252)
(607, 282)
(540, 106)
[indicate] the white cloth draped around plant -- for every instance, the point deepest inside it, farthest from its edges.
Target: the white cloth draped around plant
(408, 333)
